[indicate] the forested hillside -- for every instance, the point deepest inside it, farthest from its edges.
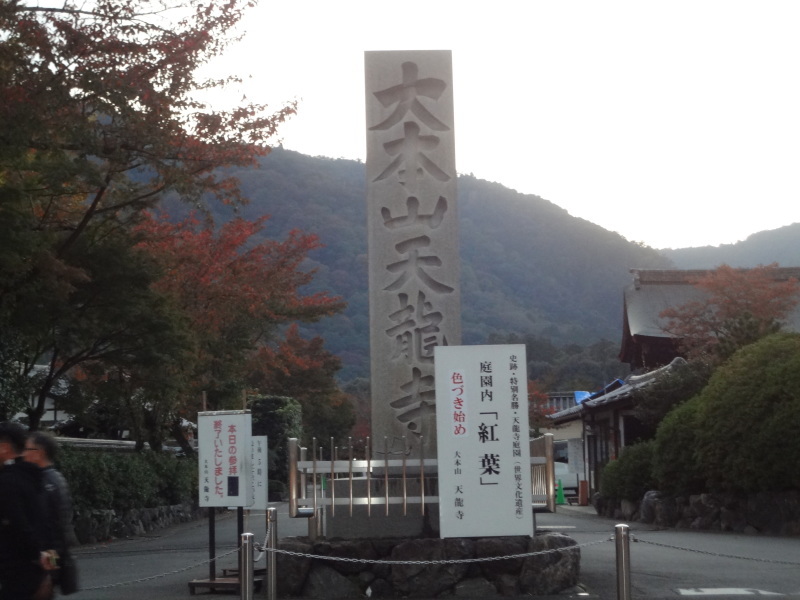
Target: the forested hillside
(765, 247)
(528, 267)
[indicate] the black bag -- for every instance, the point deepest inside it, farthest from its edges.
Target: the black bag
(68, 575)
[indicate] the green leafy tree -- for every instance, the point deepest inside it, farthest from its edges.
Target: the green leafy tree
(111, 316)
(16, 386)
(279, 418)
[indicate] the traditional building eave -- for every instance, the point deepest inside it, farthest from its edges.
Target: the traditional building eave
(620, 397)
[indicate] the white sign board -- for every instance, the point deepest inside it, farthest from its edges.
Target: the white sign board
(224, 454)
(260, 477)
(482, 441)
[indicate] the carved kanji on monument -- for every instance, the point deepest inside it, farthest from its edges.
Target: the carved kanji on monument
(413, 240)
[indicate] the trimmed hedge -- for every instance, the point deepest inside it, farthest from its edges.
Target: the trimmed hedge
(749, 420)
(126, 480)
(675, 467)
(740, 433)
(629, 477)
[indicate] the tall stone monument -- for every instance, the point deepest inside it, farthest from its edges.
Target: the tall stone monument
(413, 241)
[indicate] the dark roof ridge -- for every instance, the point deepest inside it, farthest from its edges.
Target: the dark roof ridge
(678, 276)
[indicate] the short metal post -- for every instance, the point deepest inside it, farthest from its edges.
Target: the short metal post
(319, 527)
(314, 525)
(294, 455)
(550, 472)
(212, 543)
(272, 544)
(623, 545)
(303, 475)
(246, 567)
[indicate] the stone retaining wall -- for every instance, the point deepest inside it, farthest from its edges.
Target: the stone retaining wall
(544, 574)
(763, 513)
(92, 526)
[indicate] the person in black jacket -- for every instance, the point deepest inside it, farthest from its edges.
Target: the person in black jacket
(24, 555)
(41, 450)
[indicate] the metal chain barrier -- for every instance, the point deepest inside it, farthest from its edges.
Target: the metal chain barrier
(451, 561)
(160, 575)
(718, 554)
(262, 548)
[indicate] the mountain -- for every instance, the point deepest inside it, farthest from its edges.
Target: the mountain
(765, 247)
(527, 266)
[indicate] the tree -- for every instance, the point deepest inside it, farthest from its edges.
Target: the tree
(101, 119)
(740, 306)
(236, 290)
(15, 385)
(358, 391)
(538, 409)
(278, 418)
(304, 370)
(109, 316)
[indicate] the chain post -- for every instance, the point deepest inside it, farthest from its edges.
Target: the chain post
(246, 582)
(294, 455)
(622, 541)
(272, 544)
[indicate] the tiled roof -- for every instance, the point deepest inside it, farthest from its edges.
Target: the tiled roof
(624, 392)
(655, 290)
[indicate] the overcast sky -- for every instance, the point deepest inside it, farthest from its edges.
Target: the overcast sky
(675, 123)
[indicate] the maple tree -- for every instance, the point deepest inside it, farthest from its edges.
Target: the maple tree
(304, 370)
(236, 289)
(538, 409)
(739, 307)
(101, 118)
(358, 391)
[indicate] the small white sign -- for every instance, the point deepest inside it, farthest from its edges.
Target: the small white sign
(224, 458)
(482, 440)
(260, 475)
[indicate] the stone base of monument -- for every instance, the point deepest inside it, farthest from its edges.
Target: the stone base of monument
(427, 576)
(404, 519)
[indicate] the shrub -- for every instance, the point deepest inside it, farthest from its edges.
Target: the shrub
(122, 480)
(675, 468)
(610, 486)
(629, 477)
(88, 478)
(747, 426)
(176, 477)
(277, 490)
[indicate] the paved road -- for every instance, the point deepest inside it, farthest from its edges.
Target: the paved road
(665, 564)
(671, 564)
(129, 569)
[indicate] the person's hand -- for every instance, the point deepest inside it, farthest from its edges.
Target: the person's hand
(49, 560)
